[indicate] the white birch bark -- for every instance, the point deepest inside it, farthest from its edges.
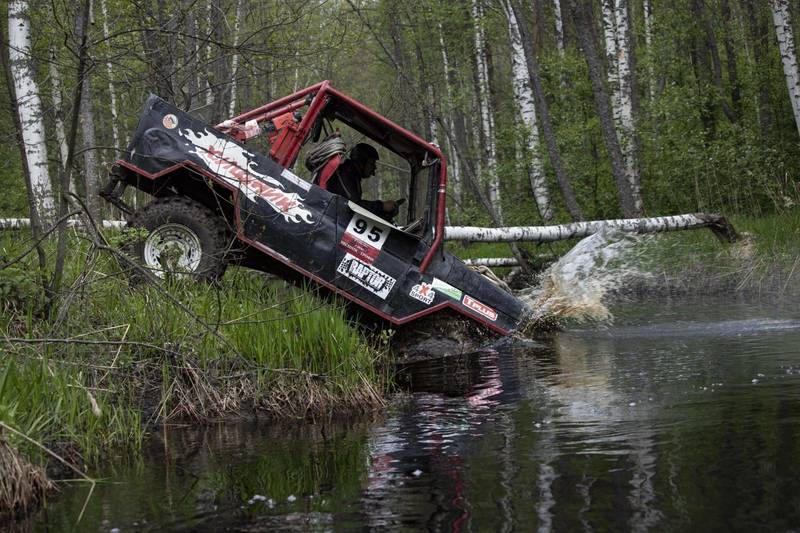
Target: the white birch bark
(485, 104)
(455, 165)
(209, 33)
(627, 134)
(559, 26)
(112, 93)
(235, 60)
(620, 81)
(29, 107)
(55, 82)
(17, 223)
(526, 106)
(648, 41)
(523, 94)
(785, 34)
(716, 223)
(610, 38)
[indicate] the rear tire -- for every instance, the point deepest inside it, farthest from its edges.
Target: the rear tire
(184, 239)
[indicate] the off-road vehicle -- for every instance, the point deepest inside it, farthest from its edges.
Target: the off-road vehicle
(216, 200)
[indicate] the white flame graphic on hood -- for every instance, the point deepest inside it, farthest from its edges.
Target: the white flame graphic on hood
(234, 164)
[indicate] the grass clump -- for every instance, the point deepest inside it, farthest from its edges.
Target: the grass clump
(106, 362)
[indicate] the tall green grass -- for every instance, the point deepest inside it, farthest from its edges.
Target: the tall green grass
(248, 344)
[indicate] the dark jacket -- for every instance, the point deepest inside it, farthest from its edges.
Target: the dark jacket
(347, 182)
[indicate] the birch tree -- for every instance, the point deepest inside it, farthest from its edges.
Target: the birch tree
(785, 34)
(581, 14)
(485, 106)
(455, 164)
(564, 181)
(619, 52)
(235, 60)
(91, 181)
(29, 109)
(647, 9)
(58, 112)
(112, 93)
(559, 22)
(523, 94)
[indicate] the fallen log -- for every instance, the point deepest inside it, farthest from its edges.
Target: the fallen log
(17, 223)
(576, 230)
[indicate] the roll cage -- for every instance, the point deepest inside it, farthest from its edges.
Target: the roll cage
(289, 128)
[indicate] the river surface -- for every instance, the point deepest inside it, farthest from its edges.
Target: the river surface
(682, 415)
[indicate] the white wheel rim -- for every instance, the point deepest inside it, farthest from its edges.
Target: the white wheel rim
(172, 247)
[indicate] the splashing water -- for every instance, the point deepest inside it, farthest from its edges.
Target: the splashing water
(574, 287)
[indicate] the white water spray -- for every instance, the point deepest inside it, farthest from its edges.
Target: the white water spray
(575, 286)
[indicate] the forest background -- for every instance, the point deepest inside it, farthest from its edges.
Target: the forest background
(548, 110)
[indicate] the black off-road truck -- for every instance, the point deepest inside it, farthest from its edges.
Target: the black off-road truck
(211, 191)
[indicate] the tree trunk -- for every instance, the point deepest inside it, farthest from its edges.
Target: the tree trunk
(716, 64)
(36, 223)
(730, 59)
(758, 30)
(192, 54)
(58, 111)
(621, 83)
(112, 93)
(485, 104)
(785, 34)
(718, 224)
(89, 148)
(559, 21)
(29, 108)
(235, 60)
(584, 26)
(647, 8)
(626, 69)
(66, 174)
(209, 77)
(454, 176)
(564, 181)
(526, 107)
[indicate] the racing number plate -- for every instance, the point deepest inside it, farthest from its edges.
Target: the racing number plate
(364, 238)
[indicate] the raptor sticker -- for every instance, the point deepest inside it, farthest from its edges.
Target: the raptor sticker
(423, 292)
(447, 289)
(364, 238)
(479, 307)
(376, 281)
(235, 165)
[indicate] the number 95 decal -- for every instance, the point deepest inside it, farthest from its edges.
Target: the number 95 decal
(368, 231)
(364, 238)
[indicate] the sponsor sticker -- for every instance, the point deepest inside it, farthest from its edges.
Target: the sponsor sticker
(236, 166)
(376, 281)
(423, 292)
(447, 289)
(364, 238)
(479, 307)
(170, 121)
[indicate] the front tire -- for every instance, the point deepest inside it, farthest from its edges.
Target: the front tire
(184, 238)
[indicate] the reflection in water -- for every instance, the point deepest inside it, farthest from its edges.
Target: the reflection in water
(682, 416)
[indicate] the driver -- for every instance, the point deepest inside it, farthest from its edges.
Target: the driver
(347, 181)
